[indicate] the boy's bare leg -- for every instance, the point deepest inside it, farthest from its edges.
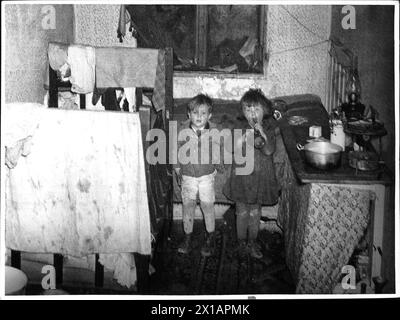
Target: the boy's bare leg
(209, 215)
(188, 210)
(209, 219)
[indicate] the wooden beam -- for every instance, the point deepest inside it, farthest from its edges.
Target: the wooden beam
(201, 34)
(169, 96)
(262, 35)
(82, 101)
(58, 261)
(169, 83)
(262, 14)
(53, 88)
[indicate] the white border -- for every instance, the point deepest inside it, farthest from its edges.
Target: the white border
(2, 152)
(214, 298)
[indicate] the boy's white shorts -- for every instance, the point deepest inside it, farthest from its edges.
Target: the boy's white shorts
(203, 185)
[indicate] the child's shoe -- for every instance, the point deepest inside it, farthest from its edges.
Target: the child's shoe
(208, 246)
(185, 245)
(255, 250)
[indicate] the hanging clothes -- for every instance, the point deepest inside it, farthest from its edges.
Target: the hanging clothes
(82, 63)
(58, 55)
(127, 67)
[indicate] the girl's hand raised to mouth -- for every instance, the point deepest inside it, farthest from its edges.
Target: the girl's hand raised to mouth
(260, 129)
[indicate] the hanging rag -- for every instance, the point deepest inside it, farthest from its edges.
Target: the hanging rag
(18, 132)
(130, 94)
(82, 63)
(123, 267)
(124, 19)
(58, 55)
(132, 67)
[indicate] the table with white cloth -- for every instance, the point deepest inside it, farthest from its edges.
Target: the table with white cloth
(76, 184)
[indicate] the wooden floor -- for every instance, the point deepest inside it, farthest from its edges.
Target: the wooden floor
(226, 271)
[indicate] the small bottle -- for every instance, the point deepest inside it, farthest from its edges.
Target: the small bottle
(259, 141)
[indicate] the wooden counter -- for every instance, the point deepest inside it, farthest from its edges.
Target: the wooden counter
(344, 177)
(344, 174)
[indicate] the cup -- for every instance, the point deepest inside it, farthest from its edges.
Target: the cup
(315, 131)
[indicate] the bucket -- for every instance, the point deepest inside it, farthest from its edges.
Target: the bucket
(16, 281)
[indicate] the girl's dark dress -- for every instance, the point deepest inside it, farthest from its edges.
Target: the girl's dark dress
(259, 187)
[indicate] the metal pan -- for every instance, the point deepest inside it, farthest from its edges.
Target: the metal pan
(322, 154)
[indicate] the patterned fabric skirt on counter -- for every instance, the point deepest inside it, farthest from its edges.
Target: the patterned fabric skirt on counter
(323, 224)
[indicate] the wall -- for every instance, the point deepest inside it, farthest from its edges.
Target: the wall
(288, 71)
(97, 25)
(26, 42)
(373, 42)
(26, 48)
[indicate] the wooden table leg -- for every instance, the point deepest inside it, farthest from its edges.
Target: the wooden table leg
(142, 271)
(99, 273)
(16, 259)
(58, 265)
(377, 231)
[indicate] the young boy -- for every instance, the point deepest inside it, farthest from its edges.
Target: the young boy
(197, 177)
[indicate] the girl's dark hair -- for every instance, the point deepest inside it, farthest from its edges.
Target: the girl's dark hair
(200, 99)
(256, 96)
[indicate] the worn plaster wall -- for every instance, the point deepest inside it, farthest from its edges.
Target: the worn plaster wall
(373, 42)
(298, 51)
(297, 58)
(25, 48)
(290, 69)
(97, 25)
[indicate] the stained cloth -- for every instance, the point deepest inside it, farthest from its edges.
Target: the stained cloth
(81, 189)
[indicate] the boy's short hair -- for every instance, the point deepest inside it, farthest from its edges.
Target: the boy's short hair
(256, 96)
(200, 99)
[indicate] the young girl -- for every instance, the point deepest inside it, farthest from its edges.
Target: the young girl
(250, 191)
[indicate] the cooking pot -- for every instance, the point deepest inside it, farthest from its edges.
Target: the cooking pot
(322, 154)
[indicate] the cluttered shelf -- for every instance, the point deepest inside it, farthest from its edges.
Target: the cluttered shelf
(344, 173)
